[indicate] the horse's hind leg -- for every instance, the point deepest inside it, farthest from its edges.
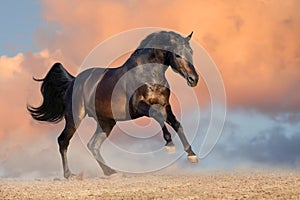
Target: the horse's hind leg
(63, 141)
(73, 117)
(95, 143)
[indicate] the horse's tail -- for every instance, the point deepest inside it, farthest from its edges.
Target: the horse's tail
(53, 89)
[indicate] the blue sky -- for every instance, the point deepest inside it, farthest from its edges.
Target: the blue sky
(19, 24)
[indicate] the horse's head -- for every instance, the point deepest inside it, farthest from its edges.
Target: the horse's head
(173, 50)
(181, 59)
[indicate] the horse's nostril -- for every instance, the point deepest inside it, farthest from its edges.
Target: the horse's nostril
(191, 79)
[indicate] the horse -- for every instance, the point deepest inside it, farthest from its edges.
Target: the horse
(137, 88)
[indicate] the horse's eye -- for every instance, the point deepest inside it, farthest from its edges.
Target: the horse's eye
(177, 56)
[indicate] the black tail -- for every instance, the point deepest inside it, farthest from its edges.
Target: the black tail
(53, 90)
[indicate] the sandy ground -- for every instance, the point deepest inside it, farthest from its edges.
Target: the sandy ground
(216, 185)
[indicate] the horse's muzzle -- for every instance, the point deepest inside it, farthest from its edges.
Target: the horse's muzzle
(192, 80)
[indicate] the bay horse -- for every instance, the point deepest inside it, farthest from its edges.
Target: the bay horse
(137, 88)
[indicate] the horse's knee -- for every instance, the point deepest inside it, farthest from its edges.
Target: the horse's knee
(62, 142)
(176, 126)
(157, 110)
(96, 141)
(65, 137)
(91, 147)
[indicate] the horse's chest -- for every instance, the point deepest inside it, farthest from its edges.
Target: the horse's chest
(156, 94)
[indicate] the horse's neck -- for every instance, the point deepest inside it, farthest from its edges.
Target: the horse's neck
(147, 67)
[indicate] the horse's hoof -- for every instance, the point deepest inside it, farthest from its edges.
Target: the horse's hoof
(193, 158)
(170, 149)
(73, 177)
(68, 175)
(109, 172)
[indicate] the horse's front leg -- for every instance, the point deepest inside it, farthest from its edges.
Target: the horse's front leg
(158, 113)
(171, 119)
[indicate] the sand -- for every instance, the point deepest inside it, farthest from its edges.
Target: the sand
(217, 185)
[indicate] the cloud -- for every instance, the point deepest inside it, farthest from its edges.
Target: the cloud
(9, 66)
(254, 44)
(274, 147)
(17, 89)
(290, 118)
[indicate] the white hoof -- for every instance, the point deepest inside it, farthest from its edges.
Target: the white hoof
(193, 159)
(170, 149)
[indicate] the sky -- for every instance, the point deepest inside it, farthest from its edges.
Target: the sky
(255, 45)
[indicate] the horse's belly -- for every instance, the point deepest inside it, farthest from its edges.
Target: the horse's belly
(111, 101)
(119, 107)
(111, 110)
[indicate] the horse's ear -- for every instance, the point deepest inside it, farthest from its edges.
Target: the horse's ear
(189, 36)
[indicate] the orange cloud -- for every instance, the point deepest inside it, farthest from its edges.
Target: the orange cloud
(254, 43)
(17, 88)
(10, 66)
